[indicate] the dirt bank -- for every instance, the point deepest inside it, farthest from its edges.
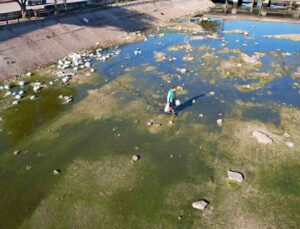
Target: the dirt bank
(29, 45)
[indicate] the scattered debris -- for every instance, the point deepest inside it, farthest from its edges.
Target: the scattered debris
(37, 88)
(171, 123)
(33, 97)
(286, 135)
(56, 171)
(17, 152)
(149, 123)
(66, 99)
(22, 83)
(136, 157)
(8, 93)
(137, 51)
(182, 70)
(290, 144)
(7, 86)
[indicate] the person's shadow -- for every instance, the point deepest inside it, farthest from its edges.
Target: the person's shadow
(188, 103)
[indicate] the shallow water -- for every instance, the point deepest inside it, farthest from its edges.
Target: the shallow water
(196, 82)
(178, 165)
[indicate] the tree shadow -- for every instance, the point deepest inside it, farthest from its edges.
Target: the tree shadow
(188, 103)
(120, 17)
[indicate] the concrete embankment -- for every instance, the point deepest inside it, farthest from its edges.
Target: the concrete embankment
(29, 45)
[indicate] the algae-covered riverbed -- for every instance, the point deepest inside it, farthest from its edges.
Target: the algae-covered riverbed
(235, 74)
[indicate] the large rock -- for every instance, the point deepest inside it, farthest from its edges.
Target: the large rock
(200, 205)
(235, 176)
(262, 137)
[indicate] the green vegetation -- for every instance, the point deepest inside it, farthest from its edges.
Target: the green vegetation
(212, 26)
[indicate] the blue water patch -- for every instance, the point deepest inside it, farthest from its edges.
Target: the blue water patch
(195, 81)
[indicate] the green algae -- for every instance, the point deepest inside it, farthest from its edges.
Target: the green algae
(211, 26)
(23, 120)
(177, 166)
(278, 187)
(282, 178)
(133, 204)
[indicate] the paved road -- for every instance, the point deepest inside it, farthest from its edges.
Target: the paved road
(10, 6)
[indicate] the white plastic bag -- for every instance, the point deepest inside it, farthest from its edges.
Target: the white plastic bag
(167, 108)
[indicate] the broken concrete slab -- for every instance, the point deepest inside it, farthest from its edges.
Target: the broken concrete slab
(200, 205)
(235, 176)
(262, 137)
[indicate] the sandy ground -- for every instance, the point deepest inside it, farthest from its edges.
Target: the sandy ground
(29, 45)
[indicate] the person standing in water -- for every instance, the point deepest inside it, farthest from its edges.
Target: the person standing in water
(171, 98)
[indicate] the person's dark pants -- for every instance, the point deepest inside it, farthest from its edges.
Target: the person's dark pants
(173, 106)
